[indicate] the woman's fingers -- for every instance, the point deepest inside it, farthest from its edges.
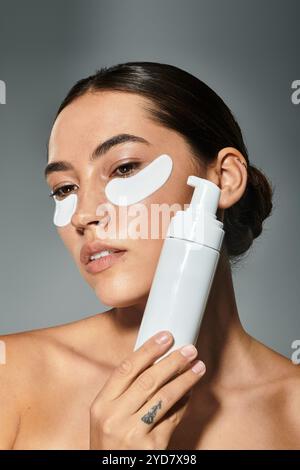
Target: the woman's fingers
(153, 378)
(156, 408)
(127, 371)
(166, 426)
(142, 402)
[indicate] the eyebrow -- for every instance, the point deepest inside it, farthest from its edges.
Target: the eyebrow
(100, 150)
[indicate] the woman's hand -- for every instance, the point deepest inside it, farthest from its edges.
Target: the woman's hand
(130, 411)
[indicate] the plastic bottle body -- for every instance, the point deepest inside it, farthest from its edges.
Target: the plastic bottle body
(179, 292)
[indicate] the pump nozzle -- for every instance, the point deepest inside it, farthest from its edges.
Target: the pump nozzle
(206, 194)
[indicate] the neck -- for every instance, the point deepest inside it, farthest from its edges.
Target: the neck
(222, 344)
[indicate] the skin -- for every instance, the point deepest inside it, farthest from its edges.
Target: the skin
(248, 397)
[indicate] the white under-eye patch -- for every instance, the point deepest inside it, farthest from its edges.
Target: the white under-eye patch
(132, 189)
(64, 210)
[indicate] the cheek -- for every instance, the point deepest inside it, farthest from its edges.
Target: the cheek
(68, 238)
(130, 280)
(163, 205)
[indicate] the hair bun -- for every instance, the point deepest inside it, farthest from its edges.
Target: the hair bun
(243, 222)
(260, 198)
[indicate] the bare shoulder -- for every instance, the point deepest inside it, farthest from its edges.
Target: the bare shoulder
(291, 396)
(281, 392)
(31, 358)
(38, 346)
(290, 405)
(279, 370)
(22, 361)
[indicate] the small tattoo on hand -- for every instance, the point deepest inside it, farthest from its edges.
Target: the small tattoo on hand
(148, 418)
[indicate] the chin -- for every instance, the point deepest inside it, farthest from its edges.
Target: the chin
(121, 292)
(118, 300)
(122, 285)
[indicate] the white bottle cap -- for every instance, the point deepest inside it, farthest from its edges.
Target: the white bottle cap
(199, 223)
(206, 194)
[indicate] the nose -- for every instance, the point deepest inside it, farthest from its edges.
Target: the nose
(90, 210)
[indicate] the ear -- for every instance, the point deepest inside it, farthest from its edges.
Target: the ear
(230, 174)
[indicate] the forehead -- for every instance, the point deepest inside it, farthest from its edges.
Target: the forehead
(98, 115)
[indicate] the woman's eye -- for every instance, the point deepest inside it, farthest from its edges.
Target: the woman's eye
(126, 169)
(62, 192)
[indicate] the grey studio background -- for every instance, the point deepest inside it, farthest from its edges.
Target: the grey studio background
(245, 50)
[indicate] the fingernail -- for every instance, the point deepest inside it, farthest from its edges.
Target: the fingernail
(163, 338)
(198, 367)
(189, 350)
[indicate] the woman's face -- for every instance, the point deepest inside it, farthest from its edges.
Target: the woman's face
(85, 123)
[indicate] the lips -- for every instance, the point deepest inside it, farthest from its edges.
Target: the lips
(102, 264)
(94, 247)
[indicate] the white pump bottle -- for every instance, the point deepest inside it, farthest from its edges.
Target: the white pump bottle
(185, 270)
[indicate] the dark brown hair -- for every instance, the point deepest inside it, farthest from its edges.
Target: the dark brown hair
(184, 103)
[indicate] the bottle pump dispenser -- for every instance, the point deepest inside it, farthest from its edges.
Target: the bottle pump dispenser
(185, 270)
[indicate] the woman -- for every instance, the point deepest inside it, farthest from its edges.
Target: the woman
(80, 385)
